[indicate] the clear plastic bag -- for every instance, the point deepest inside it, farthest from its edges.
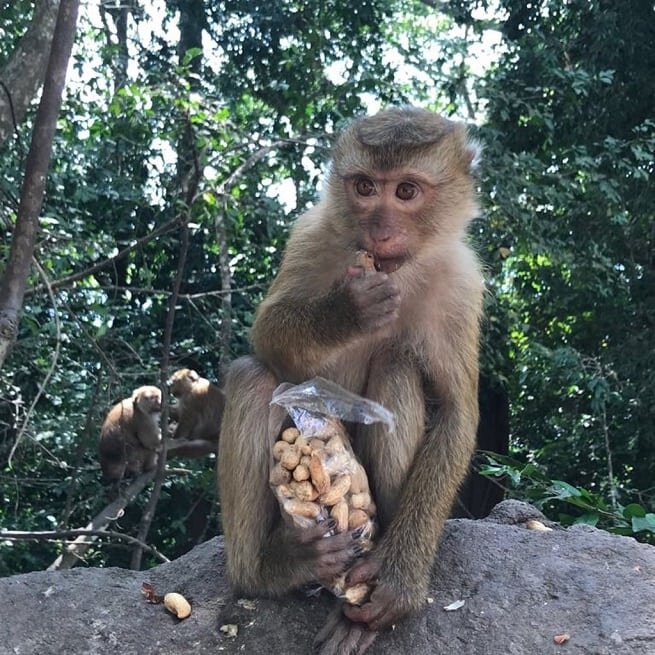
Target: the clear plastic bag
(314, 472)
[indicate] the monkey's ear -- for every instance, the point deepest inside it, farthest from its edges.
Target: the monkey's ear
(473, 154)
(193, 375)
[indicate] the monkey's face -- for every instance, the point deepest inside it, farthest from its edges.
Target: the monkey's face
(182, 381)
(147, 399)
(389, 210)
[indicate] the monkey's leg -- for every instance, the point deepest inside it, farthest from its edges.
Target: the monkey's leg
(395, 382)
(248, 508)
(400, 564)
(264, 555)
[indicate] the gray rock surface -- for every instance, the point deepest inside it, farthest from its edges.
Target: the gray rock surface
(521, 588)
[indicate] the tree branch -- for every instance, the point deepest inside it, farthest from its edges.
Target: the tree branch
(111, 512)
(163, 229)
(59, 535)
(51, 369)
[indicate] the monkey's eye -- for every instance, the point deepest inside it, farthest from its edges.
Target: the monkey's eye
(365, 187)
(406, 191)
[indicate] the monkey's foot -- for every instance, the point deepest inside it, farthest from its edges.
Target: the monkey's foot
(341, 636)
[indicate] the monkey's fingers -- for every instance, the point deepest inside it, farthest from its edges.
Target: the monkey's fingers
(382, 610)
(355, 271)
(315, 532)
(366, 570)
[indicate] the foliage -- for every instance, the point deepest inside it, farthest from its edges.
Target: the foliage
(530, 482)
(565, 115)
(570, 141)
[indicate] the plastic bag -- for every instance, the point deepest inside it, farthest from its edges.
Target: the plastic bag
(314, 473)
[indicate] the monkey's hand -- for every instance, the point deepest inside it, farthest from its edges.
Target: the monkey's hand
(320, 556)
(387, 604)
(340, 636)
(374, 296)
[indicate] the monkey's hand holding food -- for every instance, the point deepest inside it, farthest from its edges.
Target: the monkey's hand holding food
(373, 295)
(387, 602)
(315, 474)
(318, 481)
(366, 261)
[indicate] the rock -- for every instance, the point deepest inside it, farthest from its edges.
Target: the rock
(520, 589)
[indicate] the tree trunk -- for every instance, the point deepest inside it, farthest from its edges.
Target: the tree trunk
(23, 74)
(14, 279)
(191, 25)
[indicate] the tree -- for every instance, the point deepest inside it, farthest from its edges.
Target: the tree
(570, 140)
(23, 73)
(14, 278)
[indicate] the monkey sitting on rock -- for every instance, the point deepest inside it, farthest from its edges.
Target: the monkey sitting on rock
(405, 335)
(130, 437)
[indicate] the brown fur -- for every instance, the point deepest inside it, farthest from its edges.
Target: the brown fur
(130, 438)
(198, 412)
(406, 336)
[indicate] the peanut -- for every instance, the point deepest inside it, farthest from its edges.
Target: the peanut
(359, 481)
(320, 477)
(365, 260)
(357, 518)
(177, 604)
(302, 508)
(341, 462)
(316, 444)
(303, 490)
(301, 473)
(290, 435)
(279, 447)
(335, 445)
(303, 446)
(357, 594)
(284, 491)
(279, 475)
(290, 458)
(340, 514)
(360, 501)
(338, 489)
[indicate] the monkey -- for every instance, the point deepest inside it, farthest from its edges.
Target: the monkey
(401, 187)
(198, 413)
(130, 437)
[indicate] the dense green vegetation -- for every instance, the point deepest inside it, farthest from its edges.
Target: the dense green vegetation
(219, 114)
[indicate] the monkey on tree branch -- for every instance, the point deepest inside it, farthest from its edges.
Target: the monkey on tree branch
(405, 335)
(198, 414)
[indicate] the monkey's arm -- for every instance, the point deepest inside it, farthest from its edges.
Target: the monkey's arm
(294, 335)
(147, 432)
(310, 315)
(190, 448)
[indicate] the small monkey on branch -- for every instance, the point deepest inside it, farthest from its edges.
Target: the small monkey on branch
(404, 334)
(130, 437)
(198, 412)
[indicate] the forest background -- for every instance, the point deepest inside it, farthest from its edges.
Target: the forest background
(190, 136)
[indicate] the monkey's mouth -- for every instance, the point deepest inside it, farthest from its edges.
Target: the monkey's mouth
(388, 264)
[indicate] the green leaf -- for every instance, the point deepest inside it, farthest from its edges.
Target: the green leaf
(634, 510)
(647, 523)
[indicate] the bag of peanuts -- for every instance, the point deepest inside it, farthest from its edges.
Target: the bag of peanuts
(314, 473)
